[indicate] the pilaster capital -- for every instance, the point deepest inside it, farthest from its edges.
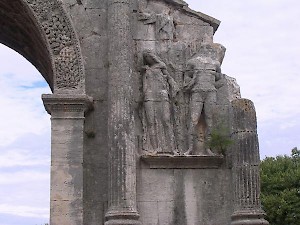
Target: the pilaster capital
(71, 105)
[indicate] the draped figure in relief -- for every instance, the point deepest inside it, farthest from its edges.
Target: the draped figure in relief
(158, 89)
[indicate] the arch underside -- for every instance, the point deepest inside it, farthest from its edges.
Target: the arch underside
(19, 32)
(42, 32)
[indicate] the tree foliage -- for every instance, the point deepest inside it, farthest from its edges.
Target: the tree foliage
(280, 180)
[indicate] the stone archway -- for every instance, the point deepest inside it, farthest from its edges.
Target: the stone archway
(62, 42)
(42, 32)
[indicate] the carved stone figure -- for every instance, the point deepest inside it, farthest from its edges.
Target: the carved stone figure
(164, 28)
(203, 70)
(158, 88)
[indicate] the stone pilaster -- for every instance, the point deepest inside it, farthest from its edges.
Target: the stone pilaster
(246, 179)
(67, 121)
(122, 207)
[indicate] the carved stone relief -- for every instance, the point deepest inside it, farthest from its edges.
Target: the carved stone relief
(62, 41)
(164, 24)
(159, 89)
(169, 37)
(202, 72)
(178, 116)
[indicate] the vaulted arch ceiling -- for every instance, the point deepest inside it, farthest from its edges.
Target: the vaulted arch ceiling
(19, 32)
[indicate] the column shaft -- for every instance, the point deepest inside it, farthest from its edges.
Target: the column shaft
(246, 180)
(122, 165)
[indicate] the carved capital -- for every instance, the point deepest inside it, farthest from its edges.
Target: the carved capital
(67, 106)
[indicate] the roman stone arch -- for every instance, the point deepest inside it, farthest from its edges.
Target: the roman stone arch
(42, 32)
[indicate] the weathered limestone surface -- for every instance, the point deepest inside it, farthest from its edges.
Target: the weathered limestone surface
(122, 207)
(67, 121)
(137, 93)
(184, 196)
(247, 206)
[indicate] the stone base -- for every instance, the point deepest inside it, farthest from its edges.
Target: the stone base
(121, 217)
(248, 218)
(122, 222)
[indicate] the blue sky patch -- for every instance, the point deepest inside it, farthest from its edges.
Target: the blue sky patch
(37, 84)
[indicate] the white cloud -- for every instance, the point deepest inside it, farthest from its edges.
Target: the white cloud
(25, 211)
(13, 178)
(20, 98)
(20, 157)
(25, 192)
(13, 63)
(24, 140)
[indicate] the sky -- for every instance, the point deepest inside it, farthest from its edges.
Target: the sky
(24, 143)
(263, 45)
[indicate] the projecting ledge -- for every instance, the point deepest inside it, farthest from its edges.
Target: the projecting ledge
(183, 162)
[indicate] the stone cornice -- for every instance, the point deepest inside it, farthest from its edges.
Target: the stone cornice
(182, 5)
(67, 103)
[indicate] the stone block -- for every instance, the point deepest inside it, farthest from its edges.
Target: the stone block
(94, 4)
(155, 185)
(183, 33)
(166, 212)
(148, 212)
(94, 51)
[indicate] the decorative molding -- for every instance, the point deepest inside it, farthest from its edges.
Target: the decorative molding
(62, 43)
(255, 217)
(67, 103)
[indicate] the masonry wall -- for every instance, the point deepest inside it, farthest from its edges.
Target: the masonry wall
(89, 18)
(184, 196)
(168, 196)
(164, 196)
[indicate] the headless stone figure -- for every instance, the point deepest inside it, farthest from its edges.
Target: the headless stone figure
(203, 70)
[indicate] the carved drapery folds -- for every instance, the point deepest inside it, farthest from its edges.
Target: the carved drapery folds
(166, 32)
(63, 44)
(159, 89)
(197, 95)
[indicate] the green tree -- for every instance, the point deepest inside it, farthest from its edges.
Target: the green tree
(280, 180)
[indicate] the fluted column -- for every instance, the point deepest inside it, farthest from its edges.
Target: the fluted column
(122, 207)
(246, 179)
(67, 120)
